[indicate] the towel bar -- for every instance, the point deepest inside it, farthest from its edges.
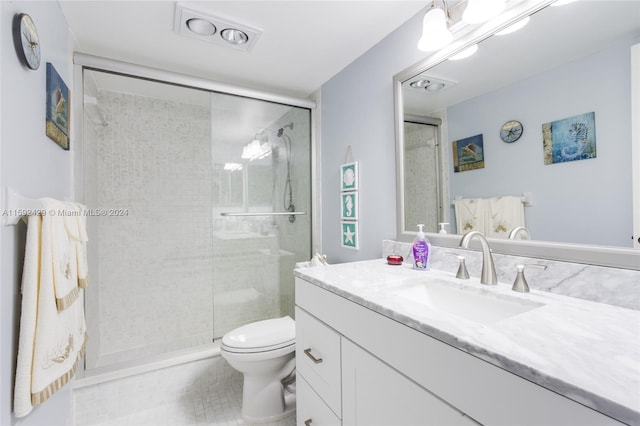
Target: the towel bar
(264, 214)
(526, 198)
(16, 206)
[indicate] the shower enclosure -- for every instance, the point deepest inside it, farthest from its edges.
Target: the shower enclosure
(200, 206)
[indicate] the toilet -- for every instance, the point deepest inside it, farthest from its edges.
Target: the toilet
(264, 352)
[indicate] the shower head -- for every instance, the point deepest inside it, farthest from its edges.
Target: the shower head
(280, 131)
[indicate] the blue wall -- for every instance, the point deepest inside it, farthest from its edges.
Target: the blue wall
(34, 166)
(566, 196)
(357, 110)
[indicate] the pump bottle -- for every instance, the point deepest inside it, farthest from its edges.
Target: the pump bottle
(421, 250)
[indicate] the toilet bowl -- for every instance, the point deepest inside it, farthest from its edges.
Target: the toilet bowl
(264, 352)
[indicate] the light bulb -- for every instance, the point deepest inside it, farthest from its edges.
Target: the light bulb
(435, 34)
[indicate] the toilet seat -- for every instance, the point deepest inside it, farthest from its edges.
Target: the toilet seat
(261, 336)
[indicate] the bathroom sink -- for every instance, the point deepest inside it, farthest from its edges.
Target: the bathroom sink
(479, 305)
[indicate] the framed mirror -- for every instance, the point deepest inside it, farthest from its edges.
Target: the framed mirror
(566, 61)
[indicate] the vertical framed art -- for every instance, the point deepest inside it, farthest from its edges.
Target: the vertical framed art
(349, 205)
(57, 121)
(349, 176)
(468, 154)
(349, 238)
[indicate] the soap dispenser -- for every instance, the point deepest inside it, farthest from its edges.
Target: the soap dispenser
(421, 250)
(442, 229)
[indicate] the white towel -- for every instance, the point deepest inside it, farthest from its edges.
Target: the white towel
(69, 236)
(470, 215)
(51, 342)
(503, 214)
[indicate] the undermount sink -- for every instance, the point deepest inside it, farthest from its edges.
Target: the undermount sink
(477, 305)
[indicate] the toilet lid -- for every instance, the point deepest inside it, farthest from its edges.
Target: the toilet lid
(261, 335)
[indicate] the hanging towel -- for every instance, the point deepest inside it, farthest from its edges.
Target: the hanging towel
(51, 341)
(504, 214)
(69, 236)
(470, 215)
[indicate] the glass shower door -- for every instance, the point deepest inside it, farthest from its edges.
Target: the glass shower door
(262, 200)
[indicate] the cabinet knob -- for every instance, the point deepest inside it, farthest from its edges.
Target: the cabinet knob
(313, 358)
(307, 422)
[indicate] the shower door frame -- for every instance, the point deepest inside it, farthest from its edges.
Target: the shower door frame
(83, 61)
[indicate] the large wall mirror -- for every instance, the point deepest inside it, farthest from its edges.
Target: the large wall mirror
(567, 61)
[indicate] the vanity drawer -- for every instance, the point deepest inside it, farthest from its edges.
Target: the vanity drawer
(318, 358)
(311, 409)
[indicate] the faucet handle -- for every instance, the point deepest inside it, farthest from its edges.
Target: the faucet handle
(462, 273)
(520, 284)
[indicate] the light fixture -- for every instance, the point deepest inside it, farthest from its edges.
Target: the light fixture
(465, 53)
(258, 148)
(479, 11)
(514, 27)
(234, 36)
(430, 84)
(201, 26)
(435, 34)
(232, 167)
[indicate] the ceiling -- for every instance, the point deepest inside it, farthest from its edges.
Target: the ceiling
(303, 43)
(554, 36)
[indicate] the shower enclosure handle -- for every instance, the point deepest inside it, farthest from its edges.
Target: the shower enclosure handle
(264, 214)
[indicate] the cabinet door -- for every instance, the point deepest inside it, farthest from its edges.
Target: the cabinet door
(376, 394)
(318, 358)
(311, 409)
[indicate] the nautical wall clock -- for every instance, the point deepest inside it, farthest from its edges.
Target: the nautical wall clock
(511, 131)
(27, 41)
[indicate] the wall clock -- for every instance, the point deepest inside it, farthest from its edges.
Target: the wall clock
(27, 41)
(511, 131)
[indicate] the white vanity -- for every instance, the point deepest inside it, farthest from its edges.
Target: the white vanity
(386, 345)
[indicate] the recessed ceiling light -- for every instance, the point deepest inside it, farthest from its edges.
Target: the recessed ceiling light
(434, 87)
(234, 36)
(419, 84)
(201, 26)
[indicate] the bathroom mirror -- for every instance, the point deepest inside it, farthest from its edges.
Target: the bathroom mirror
(494, 76)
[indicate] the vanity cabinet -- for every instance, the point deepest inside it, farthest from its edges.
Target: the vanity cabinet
(390, 373)
(374, 393)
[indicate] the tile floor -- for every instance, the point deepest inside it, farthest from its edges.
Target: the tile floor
(206, 392)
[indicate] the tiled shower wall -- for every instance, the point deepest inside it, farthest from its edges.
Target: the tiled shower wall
(156, 258)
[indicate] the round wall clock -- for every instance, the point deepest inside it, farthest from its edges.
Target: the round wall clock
(27, 40)
(511, 131)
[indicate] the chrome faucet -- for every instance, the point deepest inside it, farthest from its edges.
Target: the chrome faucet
(520, 230)
(488, 274)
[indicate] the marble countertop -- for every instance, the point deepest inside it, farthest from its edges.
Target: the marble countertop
(588, 352)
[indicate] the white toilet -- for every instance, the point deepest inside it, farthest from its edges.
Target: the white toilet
(264, 352)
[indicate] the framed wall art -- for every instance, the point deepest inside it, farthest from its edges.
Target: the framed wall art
(570, 139)
(57, 124)
(349, 205)
(349, 238)
(349, 176)
(468, 154)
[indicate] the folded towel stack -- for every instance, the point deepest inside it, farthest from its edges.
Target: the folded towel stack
(52, 324)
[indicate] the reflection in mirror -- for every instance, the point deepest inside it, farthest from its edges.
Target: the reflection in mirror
(567, 61)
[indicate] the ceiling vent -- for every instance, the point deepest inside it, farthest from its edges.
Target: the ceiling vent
(202, 26)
